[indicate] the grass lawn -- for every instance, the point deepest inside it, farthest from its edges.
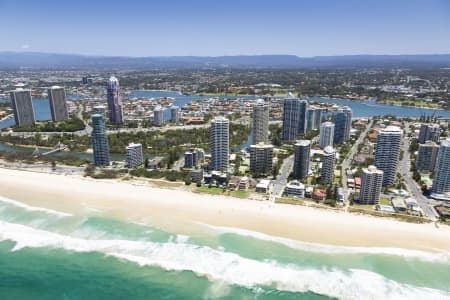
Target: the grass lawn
(384, 201)
(212, 190)
(240, 194)
(289, 200)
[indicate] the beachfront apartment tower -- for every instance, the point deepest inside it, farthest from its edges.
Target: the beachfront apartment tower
(260, 128)
(343, 124)
(220, 143)
(100, 143)
(174, 114)
(135, 157)
(261, 156)
(427, 155)
(302, 151)
(114, 103)
(328, 162)
(429, 132)
(57, 101)
(387, 153)
(158, 115)
(371, 183)
(326, 135)
(441, 181)
(313, 118)
(294, 118)
(22, 105)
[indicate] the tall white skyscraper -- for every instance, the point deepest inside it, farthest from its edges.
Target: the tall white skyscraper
(441, 181)
(174, 114)
(326, 135)
(371, 183)
(260, 128)
(57, 101)
(220, 143)
(387, 153)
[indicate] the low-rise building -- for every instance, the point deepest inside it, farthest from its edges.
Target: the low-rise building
(295, 189)
(196, 175)
(319, 194)
(244, 183)
(263, 186)
(398, 204)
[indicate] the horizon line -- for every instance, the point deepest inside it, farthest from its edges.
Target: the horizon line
(215, 56)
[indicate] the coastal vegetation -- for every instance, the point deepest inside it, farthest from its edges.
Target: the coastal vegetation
(70, 125)
(157, 142)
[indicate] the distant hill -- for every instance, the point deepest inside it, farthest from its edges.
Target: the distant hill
(13, 60)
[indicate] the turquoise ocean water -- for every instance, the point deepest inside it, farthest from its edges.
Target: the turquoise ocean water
(45, 254)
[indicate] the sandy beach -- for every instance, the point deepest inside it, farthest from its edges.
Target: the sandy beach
(182, 211)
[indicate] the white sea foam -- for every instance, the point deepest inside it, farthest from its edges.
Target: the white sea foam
(34, 208)
(440, 257)
(228, 267)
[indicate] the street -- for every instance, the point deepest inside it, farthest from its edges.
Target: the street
(349, 158)
(281, 180)
(425, 204)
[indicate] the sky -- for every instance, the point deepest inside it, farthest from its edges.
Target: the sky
(226, 27)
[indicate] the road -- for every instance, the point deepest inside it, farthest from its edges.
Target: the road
(424, 203)
(349, 158)
(281, 180)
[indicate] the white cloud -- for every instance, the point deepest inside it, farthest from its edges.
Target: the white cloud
(25, 47)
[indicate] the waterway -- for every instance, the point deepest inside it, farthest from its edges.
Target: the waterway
(360, 109)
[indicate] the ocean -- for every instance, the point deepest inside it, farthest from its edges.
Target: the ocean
(47, 254)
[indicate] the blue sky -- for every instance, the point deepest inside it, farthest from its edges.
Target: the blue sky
(226, 27)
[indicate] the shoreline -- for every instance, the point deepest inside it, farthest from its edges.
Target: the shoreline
(181, 211)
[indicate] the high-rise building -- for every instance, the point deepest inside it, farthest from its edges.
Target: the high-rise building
(328, 161)
(441, 181)
(260, 128)
(219, 143)
(326, 135)
(429, 132)
(135, 157)
(99, 109)
(387, 153)
(100, 143)
(313, 118)
(114, 103)
(192, 157)
(371, 183)
(426, 158)
(294, 118)
(57, 101)
(302, 151)
(343, 124)
(261, 156)
(158, 115)
(22, 105)
(174, 114)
